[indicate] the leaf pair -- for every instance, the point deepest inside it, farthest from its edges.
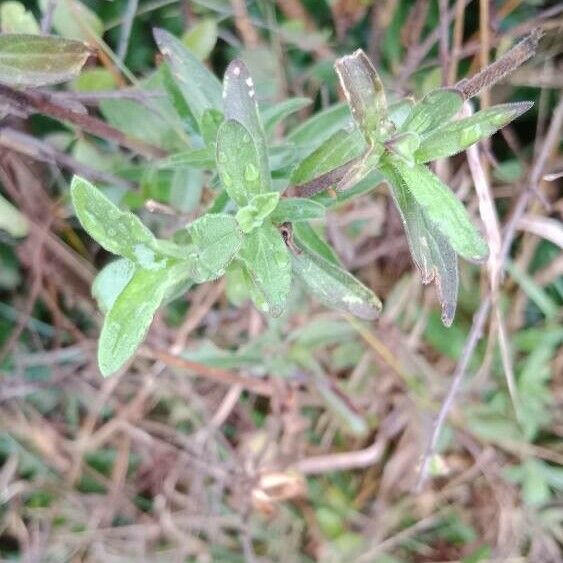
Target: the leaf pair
(131, 289)
(438, 226)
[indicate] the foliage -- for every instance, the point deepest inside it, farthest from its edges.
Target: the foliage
(233, 234)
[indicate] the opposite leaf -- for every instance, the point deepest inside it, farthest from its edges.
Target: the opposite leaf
(334, 286)
(434, 110)
(215, 239)
(238, 163)
(119, 232)
(431, 252)
(240, 104)
(457, 136)
(338, 149)
(365, 94)
(37, 60)
(129, 318)
(443, 209)
(252, 216)
(268, 262)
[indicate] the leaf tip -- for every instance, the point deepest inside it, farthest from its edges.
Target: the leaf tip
(448, 314)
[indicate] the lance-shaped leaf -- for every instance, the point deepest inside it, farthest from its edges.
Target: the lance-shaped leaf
(307, 237)
(38, 60)
(434, 110)
(119, 232)
(199, 86)
(338, 149)
(128, 320)
(239, 99)
(268, 262)
(193, 158)
(334, 286)
(238, 162)
(277, 113)
(443, 209)
(430, 251)
(365, 94)
(457, 136)
(313, 132)
(252, 216)
(296, 209)
(214, 241)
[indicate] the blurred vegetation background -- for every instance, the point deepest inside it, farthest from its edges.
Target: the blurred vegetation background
(161, 463)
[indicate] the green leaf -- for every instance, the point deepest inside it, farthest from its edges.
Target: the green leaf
(365, 94)
(215, 239)
(193, 158)
(14, 18)
(268, 262)
(238, 162)
(296, 209)
(252, 216)
(159, 125)
(308, 238)
(177, 100)
(199, 86)
(12, 220)
(430, 251)
(362, 168)
(119, 232)
(443, 209)
(210, 122)
(404, 145)
(338, 149)
(201, 38)
(399, 111)
(36, 60)
(334, 286)
(239, 98)
(111, 281)
(457, 136)
(318, 128)
(435, 109)
(94, 80)
(278, 112)
(129, 318)
(73, 20)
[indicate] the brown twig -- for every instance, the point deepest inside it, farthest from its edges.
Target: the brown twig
(502, 67)
(42, 103)
(42, 151)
